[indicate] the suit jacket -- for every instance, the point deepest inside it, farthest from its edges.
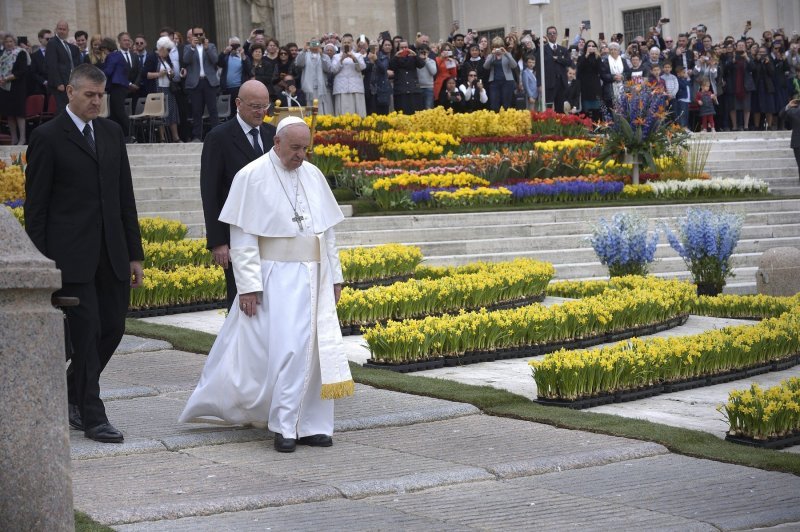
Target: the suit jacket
(77, 201)
(37, 74)
(226, 150)
(151, 64)
(192, 60)
(118, 71)
(792, 115)
(555, 67)
(58, 62)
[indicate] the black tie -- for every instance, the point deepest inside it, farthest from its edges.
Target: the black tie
(87, 132)
(256, 146)
(128, 59)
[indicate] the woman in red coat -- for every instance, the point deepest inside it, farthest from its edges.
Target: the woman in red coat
(446, 67)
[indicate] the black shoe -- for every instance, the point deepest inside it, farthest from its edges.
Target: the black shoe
(75, 420)
(284, 445)
(104, 433)
(317, 440)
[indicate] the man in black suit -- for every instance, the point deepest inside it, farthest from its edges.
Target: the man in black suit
(227, 149)
(61, 57)
(80, 212)
(791, 114)
(37, 75)
(556, 61)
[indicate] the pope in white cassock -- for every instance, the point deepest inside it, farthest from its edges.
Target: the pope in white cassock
(279, 357)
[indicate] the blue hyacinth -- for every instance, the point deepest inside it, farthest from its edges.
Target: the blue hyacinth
(706, 241)
(624, 244)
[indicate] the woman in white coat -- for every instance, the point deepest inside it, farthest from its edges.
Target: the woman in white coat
(348, 83)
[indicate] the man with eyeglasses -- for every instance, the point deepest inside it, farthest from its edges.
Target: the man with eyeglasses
(228, 148)
(202, 83)
(146, 86)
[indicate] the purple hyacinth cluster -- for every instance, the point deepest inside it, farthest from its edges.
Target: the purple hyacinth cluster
(641, 106)
(14, 203)
(576, 189)
(424, 195)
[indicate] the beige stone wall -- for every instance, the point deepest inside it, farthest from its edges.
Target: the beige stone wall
(298, 20)
(723, 17)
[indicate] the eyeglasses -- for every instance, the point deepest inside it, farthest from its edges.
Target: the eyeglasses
(139, 43)
(255, 106)
(472, 76)
(199, 34)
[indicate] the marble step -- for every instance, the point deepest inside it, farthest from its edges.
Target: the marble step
(773, 162)
(557, 232)
(756, 171)
(159, 170)
(166, 181)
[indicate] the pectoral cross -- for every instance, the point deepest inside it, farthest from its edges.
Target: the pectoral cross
(298, 219)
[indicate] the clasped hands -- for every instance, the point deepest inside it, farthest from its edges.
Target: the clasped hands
(249, 302)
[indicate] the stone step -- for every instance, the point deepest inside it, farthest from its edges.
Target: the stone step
(415, 221)
(570, 249)
(164, 159)
(739, 136)
(773, 162)
(165, 193)
(743, 281)
(160, 170)
(167, 205)
(765, 152)
(141, 182)
(760, 172)
(561, 231)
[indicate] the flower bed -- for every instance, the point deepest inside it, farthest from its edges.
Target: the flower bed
(698, 188)
(495, 283)
(747, 306)
(170, 254)
(632, 302)
(764, 418)
(180, 286)
(656, 365)
(12, 182)
(162, 230)
(379, 262)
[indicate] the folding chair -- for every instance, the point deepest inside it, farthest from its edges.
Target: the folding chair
(223, 106)
(50, 110)
(152, 111)
(104, 110)
(34, 107)
(128, 107)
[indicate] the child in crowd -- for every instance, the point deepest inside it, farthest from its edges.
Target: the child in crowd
(655, 77)
(572, 105)
(706, 99)
(529, 82)
(682, 97)
(637, 72)
(670, 85)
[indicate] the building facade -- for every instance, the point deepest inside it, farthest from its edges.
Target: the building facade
(298, 20)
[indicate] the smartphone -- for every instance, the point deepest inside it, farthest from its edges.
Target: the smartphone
(665, 20)
(602, 36)
(22, 39)
(566, 32)
(259, 31)
(469, 31)
(587, 24)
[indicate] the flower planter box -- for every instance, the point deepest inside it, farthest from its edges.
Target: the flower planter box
(577, 404)
(177, 309)
(387, 281)
(780, 365)
(686, 384)
(407, 367)
(772, 443)
(728, 376)
(623, 396)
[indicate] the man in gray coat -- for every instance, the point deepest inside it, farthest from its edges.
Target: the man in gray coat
(202, 83)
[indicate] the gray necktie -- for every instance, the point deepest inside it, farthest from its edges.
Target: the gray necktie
(256, 146)
(87, 133)
(69, 54)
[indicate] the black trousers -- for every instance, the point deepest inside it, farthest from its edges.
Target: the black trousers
(202, 96)
(61, 99)
(797, 158)
(116, 108)
(230, 285)
(96, 327)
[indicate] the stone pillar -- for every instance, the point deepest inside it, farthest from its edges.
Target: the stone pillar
(35, 470)
(112, 17)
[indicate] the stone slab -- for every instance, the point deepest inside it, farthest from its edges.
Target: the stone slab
(169, 485)
(164, 371)
(135, 344)
(338, 514)
(354, 469)
(724, 495)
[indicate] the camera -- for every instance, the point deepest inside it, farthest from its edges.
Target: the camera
(664, 20)
(259, 31)
(587, 24)
(235, 46)
(346, 48)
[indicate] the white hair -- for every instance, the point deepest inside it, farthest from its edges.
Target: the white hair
(613, 46)
(655, 49)
(165, 42)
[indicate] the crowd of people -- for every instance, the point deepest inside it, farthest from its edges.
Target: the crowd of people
(749, 79)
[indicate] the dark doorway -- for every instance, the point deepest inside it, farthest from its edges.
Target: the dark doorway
(149, 16)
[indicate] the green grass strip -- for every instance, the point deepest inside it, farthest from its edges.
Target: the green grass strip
(84, 523)
(506, 404)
